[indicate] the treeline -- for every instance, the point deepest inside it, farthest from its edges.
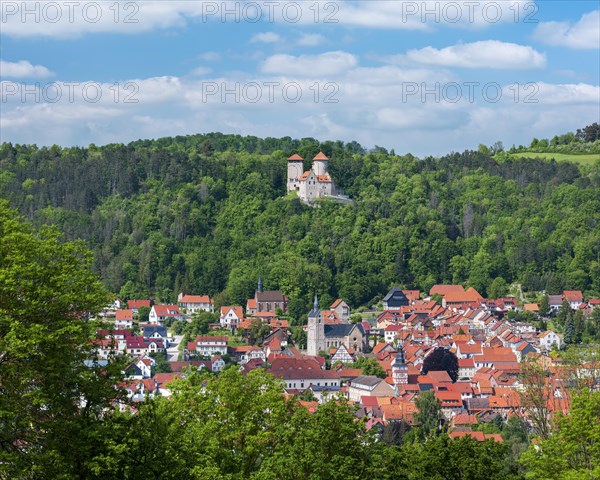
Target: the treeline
(210, 214)
(584, 140)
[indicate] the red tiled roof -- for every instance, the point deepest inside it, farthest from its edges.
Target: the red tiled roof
(320, 156)
(446, 289)
(195, 299)
(573, 295)
(136, 304)
(124, 315)
(295, 157)
(237, 310)
(166, 310)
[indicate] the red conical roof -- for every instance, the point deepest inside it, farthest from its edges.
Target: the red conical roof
(320, 156)
(295, 156)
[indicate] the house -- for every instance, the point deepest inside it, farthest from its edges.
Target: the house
(390, 332)
(466, 368)
(395, 299)
(412, 295)
(368, 385)
(549, 340)
(443, 290)
(457, 298)
(532, 307)
(341, 309)
(342, 354)
(124, 318)
(555, 301)
(150, 331)
(138, 345)
(136, 304)
(218, 364)
(574, 297)
(196, 303)
(231, 317)
(300, 373)
(209, 345)
(160, 313)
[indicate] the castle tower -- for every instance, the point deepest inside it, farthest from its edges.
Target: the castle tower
(295, 171)
(315, 337)
(320, 164)
(400, 368)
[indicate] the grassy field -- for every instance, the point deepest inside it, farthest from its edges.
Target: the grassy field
(585, 159)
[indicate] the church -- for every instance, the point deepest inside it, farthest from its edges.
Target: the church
(313, 183)
(320, 337)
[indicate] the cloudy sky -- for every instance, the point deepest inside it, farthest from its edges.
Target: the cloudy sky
(425, 77)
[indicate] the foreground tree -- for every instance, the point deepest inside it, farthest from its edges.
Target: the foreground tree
(442, 359)
(429, 415)
(50, 401)
(573, 449)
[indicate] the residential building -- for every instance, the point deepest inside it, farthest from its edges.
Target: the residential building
(159, 313)
(395, 299)
(195, 303)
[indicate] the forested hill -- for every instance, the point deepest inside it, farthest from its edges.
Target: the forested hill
(209, 214)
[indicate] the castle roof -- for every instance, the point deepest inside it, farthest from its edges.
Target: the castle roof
(295, 157)
(321, 156)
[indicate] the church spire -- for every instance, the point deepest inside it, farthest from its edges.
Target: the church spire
(260, 286)
(316, 303)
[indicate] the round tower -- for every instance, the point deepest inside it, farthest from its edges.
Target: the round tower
(295, 170)
(320, 164)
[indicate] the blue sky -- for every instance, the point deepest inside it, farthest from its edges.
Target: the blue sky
(425, 77)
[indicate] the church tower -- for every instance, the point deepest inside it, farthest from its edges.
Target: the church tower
(320, 164)
(315, 341)
(400, 368)
(295, 171)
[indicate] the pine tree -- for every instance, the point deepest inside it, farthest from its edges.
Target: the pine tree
(570, 334)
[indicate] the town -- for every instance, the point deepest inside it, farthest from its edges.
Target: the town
(471, 353)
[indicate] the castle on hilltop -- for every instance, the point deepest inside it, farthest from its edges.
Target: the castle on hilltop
(312, 184)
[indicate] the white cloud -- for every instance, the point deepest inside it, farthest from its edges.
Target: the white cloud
(311, 40)
(371, 105)
(483, 54)
(23, 69)
(266, 37)
(583, 34)
(325, 64)
(201, 71)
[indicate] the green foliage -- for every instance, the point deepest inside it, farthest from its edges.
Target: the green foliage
(143, 314)
(442, 359)
(573, 450)
(442, 458)
(369, 366)
(162, 363)
(429, 414)
(51, 403)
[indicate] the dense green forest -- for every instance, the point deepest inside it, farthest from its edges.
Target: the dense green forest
(210, 213)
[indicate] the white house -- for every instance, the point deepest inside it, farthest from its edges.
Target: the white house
(159, 313)
(231, 317)
(210, 345)
(196, 303)
(548, 339)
